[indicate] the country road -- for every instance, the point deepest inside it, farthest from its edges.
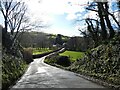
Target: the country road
(42, 75)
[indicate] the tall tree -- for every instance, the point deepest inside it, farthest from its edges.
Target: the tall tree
(58, 39)
(111, 31)
(13, 13)
(104, 13)
(102, 22)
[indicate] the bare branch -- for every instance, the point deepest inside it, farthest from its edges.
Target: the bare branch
(92, 9)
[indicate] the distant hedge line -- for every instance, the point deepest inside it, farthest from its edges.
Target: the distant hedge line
(44, 54)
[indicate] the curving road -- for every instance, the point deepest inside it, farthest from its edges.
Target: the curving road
(41, 75)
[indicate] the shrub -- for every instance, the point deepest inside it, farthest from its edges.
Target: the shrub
(63, 60)
(60, 60)
(27, 55)
(12, 69)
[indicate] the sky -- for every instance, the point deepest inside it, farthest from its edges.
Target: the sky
(59, 15)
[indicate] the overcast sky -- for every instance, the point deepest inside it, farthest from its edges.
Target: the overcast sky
(59, 14)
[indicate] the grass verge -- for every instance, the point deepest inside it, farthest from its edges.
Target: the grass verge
(73, 55)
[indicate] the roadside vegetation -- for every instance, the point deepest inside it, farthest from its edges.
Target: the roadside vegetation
(73, 55)
(12, 69)
(40, 50)
(101, 63)
(15, 58)
(57, 60)
(64, 59)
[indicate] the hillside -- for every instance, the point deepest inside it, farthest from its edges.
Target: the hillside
(39, 39)
(102, 62)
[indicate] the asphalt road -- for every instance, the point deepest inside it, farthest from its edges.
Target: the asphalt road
(41, 75)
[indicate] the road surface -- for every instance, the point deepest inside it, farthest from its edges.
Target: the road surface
(41, 75)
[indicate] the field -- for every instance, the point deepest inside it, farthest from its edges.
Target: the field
(40, 51)
(72, 54)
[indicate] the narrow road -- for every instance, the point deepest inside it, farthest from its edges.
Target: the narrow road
(41, 75)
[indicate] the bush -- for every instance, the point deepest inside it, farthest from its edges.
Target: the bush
(27, 55)
(60, 60)
(51, 60)
(12, 69)
(64, 61)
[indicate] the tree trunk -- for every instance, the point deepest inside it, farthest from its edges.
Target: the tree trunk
(111, 31)
(5, 25)
(102, 23)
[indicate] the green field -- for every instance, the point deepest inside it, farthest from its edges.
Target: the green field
(40, 51)
(72, 54)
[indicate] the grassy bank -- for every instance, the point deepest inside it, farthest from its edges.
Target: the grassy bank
(12, 69)
(64, 59)
(73, 55)
(102, 62)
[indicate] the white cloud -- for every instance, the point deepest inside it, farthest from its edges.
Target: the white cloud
(71, 16)
(65, 32)
(38, 8)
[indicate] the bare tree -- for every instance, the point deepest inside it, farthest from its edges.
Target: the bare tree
(93, 30)
(15, 19)
(13, 13)
(102, 9)
(101, 28)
